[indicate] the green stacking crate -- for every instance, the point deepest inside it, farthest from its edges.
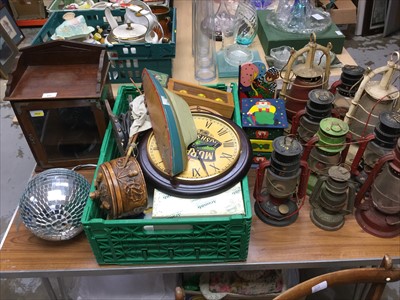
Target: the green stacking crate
(126, 60)
(182, 240)
(57, 5)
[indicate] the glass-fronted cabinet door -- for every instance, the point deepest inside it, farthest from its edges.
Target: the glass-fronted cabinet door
(63, 133)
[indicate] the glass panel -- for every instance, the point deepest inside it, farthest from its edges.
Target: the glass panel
(67, 133)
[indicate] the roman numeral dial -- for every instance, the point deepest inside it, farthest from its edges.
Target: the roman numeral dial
(215, 151)
(219, 157)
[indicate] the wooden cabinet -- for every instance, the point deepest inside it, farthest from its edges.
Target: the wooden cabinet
(57, 92)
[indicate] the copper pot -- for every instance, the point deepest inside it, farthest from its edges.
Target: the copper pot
(162, 14)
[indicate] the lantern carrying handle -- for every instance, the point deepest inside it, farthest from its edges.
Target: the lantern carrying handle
(311, 48)
(336, 124)
(290, 140)
(397, 54)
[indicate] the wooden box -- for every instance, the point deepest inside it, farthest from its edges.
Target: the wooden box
(57, 91)
(343, 12)
(197, 95)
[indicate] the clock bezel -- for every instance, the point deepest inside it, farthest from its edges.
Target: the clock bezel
(198, 188)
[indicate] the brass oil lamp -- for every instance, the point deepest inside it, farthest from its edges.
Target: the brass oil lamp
(378, 200)
(377, 144)
(308, 76)
(373, 98)
(328, 147)
(332, 198)
(306, 121)
(280, 187)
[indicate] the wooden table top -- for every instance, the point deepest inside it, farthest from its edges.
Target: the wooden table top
(299, 245)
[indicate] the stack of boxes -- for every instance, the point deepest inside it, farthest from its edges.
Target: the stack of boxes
(263, 120)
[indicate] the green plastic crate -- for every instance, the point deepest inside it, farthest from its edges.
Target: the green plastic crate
(126, 60)
(54, 6)
(181, 240)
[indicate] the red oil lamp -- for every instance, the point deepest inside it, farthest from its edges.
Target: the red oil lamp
(328, 147)
(350, 80)
(346, 87)
(306, 121)
(378, 200)
(280, 187)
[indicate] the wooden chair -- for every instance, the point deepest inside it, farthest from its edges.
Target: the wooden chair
(378, 277)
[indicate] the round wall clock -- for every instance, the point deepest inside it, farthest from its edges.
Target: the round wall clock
(218, 159)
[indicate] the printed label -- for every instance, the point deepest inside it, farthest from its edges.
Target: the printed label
(319, 287)
(49, 95)
(36, 113)
(318, 17)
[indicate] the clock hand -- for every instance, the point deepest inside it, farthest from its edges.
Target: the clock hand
(203, 165)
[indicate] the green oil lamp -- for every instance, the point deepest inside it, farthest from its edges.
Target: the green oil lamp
(328, 147)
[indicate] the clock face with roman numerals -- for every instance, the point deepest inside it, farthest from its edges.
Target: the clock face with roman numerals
(219, 158)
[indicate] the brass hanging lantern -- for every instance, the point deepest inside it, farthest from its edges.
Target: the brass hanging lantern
(373, 98)
(308, 76)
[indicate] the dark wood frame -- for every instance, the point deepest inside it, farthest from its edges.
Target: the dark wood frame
(369, 28)
(8, 53)
(10, 26)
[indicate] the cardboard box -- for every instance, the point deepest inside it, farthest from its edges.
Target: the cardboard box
(27, 9)
(344, 12)
(271, 37)
(196, 207)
